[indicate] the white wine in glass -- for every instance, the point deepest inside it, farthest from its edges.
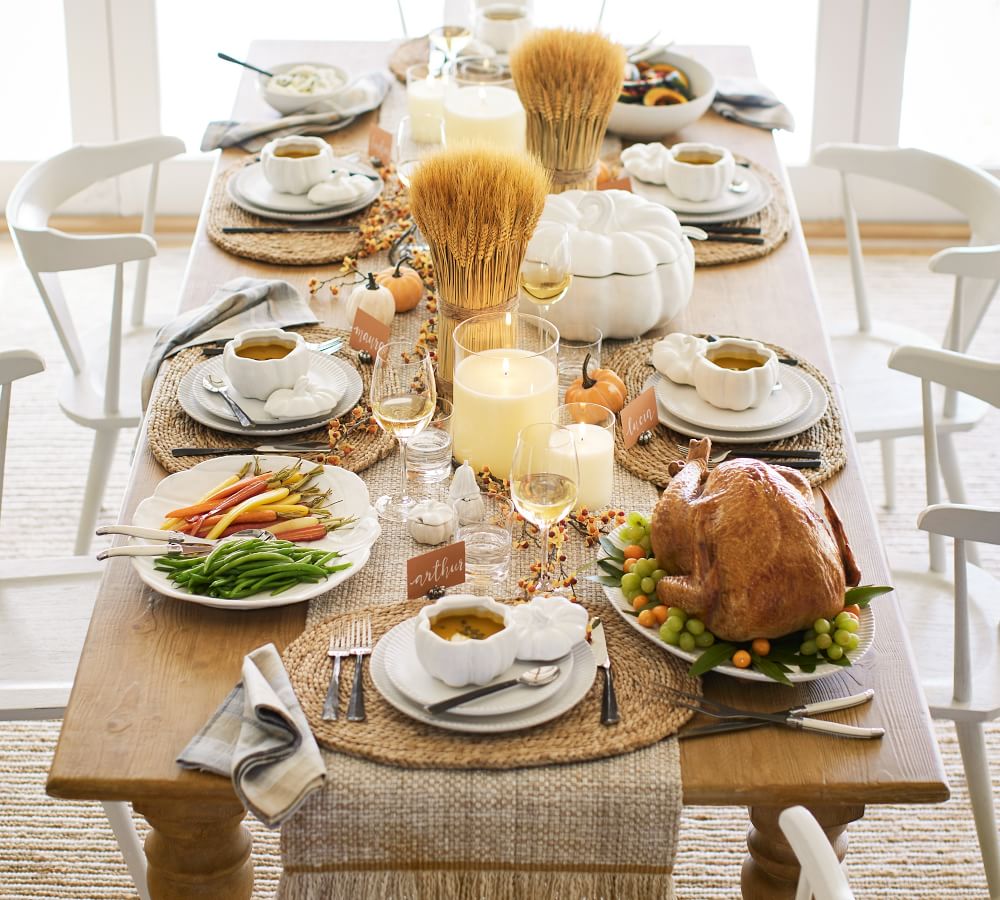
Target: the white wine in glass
(546, 272)
(450, 40)
(402, 415)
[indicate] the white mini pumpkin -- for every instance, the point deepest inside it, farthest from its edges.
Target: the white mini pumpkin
(633, 268)
(550, 627)
(431, 522)
(374, 299)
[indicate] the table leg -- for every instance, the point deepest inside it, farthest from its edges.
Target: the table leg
(197, 851)
(771, 871)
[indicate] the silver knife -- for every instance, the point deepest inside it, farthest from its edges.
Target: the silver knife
(154, 534)
(155, 550)
(599, 644)
(298, 447)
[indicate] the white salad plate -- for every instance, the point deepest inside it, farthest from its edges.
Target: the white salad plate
(787, 402)
(413, 681)
(349, 497)
(250, 185)
(568, 693)
(724, 208)
(814, 412)
(866, 635)
(265, 213)
(216, 419)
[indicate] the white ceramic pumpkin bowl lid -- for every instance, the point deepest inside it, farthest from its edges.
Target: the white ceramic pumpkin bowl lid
(615, 232)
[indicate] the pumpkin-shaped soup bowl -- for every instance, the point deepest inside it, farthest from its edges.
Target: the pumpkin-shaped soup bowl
(259, 361)
(735, 374)
(292, 165)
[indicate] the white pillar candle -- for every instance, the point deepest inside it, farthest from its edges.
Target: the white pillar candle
(595, 453)
(496, 393)
(425, 97)
(485, 113)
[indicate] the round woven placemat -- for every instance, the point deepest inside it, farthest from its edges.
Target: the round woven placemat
(651, 461)
(773, 221)
(409, 53)
(642, 671)
(170, 426)
(283, 249)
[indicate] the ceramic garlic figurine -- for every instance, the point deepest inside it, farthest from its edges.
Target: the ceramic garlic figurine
(674, 356)
(550, 627)
(464, 496)
(431, 522)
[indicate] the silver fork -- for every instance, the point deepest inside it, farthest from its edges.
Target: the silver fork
(340, 646)
(362, 646)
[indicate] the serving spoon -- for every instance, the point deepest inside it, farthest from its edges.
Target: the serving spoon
(189, 546)
(245, 65)
(537, 677)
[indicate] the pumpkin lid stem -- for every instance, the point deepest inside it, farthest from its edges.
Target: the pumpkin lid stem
(588, 382)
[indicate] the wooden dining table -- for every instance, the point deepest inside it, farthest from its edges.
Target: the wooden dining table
(153, 669)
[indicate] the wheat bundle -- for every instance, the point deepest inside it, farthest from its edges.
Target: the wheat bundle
(477, 208)
(568, 82)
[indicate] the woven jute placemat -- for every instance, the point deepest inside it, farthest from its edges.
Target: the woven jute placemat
(170, 426)
(651, 461)
(641, 670)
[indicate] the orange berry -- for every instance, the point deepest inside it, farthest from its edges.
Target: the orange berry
(647, 619)
(661, 613)
(741, 659)
(854, 610)
(629, 565)
(639, 601)
(761, 646)
(634, 551)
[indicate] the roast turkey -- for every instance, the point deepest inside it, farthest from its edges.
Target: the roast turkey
(746, 550)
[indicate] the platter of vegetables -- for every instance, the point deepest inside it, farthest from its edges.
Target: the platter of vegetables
(628, 573)
(320, 517)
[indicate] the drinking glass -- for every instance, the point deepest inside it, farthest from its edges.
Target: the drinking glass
(449, 41)
(547, 269)
(488, 539)
(573, 353)
(544, 479)
(417, 137)
(428, 454)
(402, 396)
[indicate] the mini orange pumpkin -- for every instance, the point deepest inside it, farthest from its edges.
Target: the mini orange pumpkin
(406, 286)
(602, 386)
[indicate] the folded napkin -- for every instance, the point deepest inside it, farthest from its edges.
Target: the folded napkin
(260, 738)
(750, 102)
(237, 305)
(362, 95)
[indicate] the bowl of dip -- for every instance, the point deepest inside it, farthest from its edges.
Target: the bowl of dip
(294, 86)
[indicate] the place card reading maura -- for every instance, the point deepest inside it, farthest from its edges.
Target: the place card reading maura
(380, 145)
(368, 333)
(444, 567)
(639, 416)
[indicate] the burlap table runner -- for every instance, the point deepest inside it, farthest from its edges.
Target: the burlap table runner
(651, 461)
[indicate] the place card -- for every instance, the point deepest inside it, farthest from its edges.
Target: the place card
(616, 184)
(640, 415)
(444, 567)
(380, 145)
(368, 333)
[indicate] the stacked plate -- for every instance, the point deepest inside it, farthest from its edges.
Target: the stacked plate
(251, 191)
(798, 403)
(341, 379)
(407, 686)
(730, 205)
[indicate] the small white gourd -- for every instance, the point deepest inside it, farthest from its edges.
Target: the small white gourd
(431, 522)
(549, 627)
(374, 299)
(464, 495)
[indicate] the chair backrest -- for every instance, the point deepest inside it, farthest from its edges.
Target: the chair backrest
(47, 251)
(969, 190)
(821, 876)
(14, 364)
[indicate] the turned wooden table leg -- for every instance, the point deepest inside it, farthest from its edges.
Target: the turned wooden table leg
(197, 851)
(771, 871)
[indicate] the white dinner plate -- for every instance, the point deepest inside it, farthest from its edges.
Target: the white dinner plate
(415, 682)
(815, 412)
(190, 404)
(187, 487)
(788, 402)
(726, 202)
(326, 371)
(578, 684)
(250, 185)
(866, 635)
(321, 215)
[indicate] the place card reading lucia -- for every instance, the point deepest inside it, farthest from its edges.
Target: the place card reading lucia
(639, 416)
(380, 145)
(368, 333)
(443, 567)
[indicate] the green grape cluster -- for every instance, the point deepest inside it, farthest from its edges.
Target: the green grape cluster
(831, 638)
(681, 631)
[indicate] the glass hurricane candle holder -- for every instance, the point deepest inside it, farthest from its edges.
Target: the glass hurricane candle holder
(593, 430)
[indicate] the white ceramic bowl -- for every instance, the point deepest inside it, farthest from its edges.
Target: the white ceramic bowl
(259, 378)
(698, 182)
(296, 174)
(288, 104)
(731, 388)
(638, 122)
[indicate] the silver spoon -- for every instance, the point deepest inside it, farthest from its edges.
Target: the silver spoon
(537, 677)
(217, 386)
(245, 65)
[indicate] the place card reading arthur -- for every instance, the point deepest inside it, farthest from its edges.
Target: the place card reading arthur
(380, 145)
(368, 333)
(639, 416)
(444, 567)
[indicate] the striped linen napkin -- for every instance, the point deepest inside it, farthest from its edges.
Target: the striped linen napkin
(260, 738)
(748, 101)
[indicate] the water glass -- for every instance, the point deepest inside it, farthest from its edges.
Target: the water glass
(488, 540)
(428, 454)
(572, 353)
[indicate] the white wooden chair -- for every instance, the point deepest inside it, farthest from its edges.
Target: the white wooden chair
(881, 404)
(961, 682)
(102, 391)
(821, 877)
(45, 607)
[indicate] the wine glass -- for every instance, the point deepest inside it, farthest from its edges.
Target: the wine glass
(417, 137)
(403, 397)
(547, 270)
(544, 482)
(450, 40)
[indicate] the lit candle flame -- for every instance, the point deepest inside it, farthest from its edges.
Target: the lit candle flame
(506, 366)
